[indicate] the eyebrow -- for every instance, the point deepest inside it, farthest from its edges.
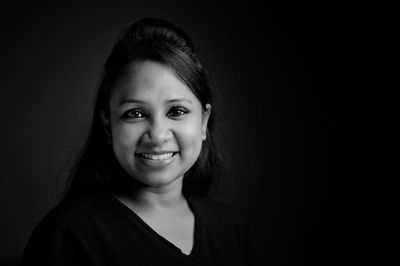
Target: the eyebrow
(124, 101)
(179, 100)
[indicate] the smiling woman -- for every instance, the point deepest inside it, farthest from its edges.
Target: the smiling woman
(140, 191)
(157, 124)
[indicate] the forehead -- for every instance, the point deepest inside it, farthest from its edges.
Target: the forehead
(150, 81)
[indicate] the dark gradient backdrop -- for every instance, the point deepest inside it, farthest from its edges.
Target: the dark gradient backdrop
(276, 105)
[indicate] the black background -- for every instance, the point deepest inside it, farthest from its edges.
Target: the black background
(288, 112)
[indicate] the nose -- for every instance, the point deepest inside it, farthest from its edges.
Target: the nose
(158, 131)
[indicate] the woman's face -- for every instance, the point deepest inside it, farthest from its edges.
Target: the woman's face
(157, 124)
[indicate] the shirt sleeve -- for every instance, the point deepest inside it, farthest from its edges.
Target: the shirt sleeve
(54, 242)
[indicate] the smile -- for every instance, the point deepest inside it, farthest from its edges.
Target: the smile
(157, 157)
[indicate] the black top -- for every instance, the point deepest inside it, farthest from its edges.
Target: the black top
(100, 230)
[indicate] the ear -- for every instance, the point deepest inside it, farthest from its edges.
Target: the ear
(205, 116)
(106, 123)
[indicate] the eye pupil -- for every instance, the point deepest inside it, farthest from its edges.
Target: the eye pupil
(132, 114)
(177, 112)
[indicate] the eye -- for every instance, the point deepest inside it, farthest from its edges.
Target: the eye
(133, 114)
(177, 111)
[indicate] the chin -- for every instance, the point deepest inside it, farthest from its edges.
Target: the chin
(157, 180)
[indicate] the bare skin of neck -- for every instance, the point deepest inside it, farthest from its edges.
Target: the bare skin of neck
(166, 211)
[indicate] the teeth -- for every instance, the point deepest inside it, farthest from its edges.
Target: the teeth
(157, 157)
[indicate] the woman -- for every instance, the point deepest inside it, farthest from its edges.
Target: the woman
(138, 192)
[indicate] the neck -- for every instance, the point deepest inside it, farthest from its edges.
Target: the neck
(154, 197)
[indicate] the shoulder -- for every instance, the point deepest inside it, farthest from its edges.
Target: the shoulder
(72, 215)
(218, 212)
(55, 240)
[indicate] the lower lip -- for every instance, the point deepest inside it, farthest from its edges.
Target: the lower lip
(155, 163)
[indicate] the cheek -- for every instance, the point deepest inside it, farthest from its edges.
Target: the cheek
(125, 137)
(189, 137)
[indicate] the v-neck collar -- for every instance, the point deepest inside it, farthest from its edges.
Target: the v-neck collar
(197, 221)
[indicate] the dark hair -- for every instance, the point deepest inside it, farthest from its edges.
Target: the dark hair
(96, 168)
